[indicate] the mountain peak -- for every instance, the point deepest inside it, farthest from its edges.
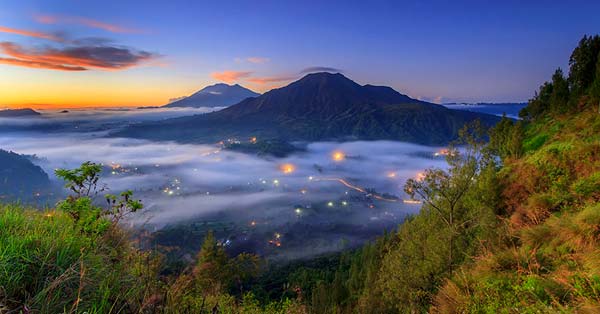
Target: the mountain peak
(216, 95)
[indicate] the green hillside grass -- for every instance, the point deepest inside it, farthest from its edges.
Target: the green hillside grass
(48, 265)
(549, 260)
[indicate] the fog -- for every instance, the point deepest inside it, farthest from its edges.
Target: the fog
(301, 205)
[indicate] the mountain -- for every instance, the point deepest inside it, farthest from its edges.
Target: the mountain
(10, 113)
(511, 110)
(218, 95)
(20, 178)
(320, 106)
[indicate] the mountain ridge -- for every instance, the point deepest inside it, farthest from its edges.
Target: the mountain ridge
(319, 106)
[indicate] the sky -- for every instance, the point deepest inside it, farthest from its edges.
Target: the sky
(76, 53)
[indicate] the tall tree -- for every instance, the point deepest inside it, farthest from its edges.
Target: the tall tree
(583, 64)
(560, 92)
(212, 273)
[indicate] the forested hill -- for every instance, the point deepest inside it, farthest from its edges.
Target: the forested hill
(320, 106)
(20, 178)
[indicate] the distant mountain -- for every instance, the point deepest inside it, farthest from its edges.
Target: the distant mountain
(218, 95)
(486, 104)
(20, 178)
(320, 106)
(10, 113)
(511, 110)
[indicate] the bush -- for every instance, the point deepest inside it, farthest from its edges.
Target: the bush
(588, 186)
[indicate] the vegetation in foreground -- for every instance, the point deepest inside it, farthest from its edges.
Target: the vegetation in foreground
(513, 226)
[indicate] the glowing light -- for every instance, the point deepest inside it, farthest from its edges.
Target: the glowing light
(253, 223)
(442, 152)
(330, 204)
(338, 156)
(276, 182)
(303, 191)
(310, 178)
(344, 203)
(298, 211)
(287, 168)
(253, 140)
(420, 176)
(391, 175)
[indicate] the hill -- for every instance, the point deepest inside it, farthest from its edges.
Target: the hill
(218, 95)
(20, 178)
(320, 106)
(10, 113)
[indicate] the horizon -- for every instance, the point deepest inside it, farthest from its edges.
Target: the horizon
(62, 55)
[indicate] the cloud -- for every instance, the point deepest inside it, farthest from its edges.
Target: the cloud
(55, 19)
(272, 79)
(230, 76)
(35, 34)
(257, 60)
(320, 69)
(74, 58)
(40, 65)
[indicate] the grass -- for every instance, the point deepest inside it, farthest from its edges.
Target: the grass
(49, 265)
(549, 262)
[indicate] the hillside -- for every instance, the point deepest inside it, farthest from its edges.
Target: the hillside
(20, 178)
(12, 113)
(218, 95)
(320, 106)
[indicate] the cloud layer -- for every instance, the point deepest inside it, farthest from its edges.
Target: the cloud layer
(187, 184)
(35, 34)
(74, 57)
(61, 19)
(230, 76)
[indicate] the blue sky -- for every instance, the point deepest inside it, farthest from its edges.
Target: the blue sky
(434, 50)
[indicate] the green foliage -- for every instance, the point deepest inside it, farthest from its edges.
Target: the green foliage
(87, 217)
(49, 266)
(583, 63)
(122, 205)
(83, 181)
(588, 186)
(534, 143)
(560, 93)
(506, 138)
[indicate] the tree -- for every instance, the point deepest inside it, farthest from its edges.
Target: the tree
(506, 138)
(83, 181)
(443, 191)
(595, 88)
(211, 274)
(539, 104)
(583, 64)
(559, 97)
